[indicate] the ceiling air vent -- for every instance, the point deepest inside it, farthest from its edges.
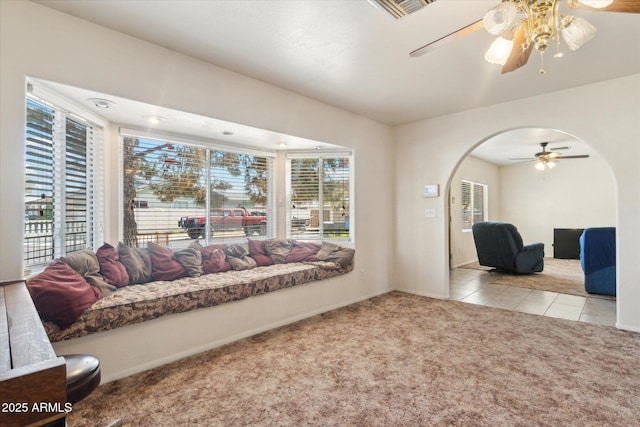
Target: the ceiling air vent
(400, 8)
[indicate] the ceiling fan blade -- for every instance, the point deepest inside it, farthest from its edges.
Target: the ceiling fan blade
(521, 158)
(517, 57)
(582, 156)
(447, 39)
(559, 148)
(624, 6)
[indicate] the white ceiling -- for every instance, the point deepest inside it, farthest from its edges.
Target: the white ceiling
(352, 55)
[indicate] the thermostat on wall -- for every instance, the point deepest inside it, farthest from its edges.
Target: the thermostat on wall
(430, 190)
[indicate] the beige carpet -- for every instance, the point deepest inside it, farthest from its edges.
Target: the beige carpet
(564, 276)
(394, 360)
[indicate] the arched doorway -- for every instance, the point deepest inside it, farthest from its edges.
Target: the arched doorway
(577, 193)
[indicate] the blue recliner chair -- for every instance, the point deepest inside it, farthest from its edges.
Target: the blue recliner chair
(598, 260)
(499, 245)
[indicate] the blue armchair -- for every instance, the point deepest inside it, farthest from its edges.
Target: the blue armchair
(499, 245)
(598, 260)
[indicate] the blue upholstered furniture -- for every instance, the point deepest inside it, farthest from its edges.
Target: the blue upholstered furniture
(598, 260)
(499, 245)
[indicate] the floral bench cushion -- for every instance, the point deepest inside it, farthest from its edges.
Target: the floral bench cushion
(138, 303)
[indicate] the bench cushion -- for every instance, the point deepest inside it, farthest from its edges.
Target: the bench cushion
(135, 304)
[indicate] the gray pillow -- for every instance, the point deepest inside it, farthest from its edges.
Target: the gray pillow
(86, 264)
(191, 259)
(334, 253)
(278, 249)
(137, 262)
(244, 263)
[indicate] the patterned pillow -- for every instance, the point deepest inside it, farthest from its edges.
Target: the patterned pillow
(60, 294)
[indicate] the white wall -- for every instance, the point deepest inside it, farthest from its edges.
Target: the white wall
(577, 193)
(605, 115)
(463, 248)
(39, 42)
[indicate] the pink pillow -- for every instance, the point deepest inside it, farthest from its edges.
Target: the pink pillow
(214, 259)
(113, 271)
(303, 251)
(258, 251)
(61, 295)
(164, 265)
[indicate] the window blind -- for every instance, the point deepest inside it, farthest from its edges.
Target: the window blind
(63, 170)
(318, 192)
(167, 183)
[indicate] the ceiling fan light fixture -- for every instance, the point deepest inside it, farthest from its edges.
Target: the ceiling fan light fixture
(576, 31)
(500, 49)
(598, 4)
(551, 164)
(500, 18)
(540, 165)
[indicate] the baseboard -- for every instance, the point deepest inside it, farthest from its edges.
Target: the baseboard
(627, 327)
(423, 294)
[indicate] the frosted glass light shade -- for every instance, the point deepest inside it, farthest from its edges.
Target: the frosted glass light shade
(540, 165)
(499, 51)
(551, 164)
(596, 3)
(500, 18)
(576, 31)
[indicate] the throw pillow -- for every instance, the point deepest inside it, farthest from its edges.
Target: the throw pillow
(278, 249)
(60, 294)
(136, 262)
(214, 259)
(238, 256)
(303, 251)
(191, 259)
(335, 253)
(111, 268)
(258, 252)
(243, 263)
(164, 265)
(86, 264)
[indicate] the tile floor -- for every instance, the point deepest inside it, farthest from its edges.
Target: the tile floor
(474, 286)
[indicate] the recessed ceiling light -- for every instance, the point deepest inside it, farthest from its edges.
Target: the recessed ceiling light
(282, 144)
(319, 147)
(152, 118)
(101, 102)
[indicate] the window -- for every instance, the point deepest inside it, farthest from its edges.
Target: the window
(474, 203)
(178, 183)
(318, 197)
(63, 172)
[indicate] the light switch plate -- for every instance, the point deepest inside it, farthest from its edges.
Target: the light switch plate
(430, 213)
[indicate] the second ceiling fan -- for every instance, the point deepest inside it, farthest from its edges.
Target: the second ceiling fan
(548, 159)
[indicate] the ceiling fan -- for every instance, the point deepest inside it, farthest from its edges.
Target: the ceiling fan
(523, 25)
(548, 159)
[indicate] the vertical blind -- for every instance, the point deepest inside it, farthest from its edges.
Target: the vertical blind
(165, 182)
(63, 167)
(318, 197)
(473, 203)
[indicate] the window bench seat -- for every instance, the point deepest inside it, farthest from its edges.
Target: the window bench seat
(138, 303)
